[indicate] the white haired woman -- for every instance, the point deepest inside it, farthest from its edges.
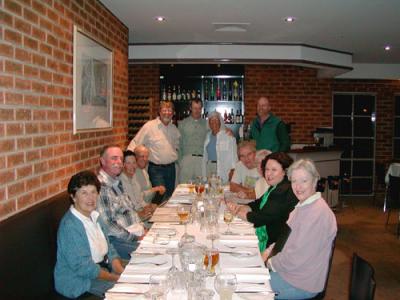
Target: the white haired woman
(299, 271)
(220, 150)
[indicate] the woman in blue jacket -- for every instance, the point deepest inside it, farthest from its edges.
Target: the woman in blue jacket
(86, 261)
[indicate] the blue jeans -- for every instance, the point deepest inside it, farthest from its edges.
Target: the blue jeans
(163, 175)
(285, 290)
(123, 247)
(98, 287)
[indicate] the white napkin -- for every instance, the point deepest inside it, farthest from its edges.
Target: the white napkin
(137, 229)
(252, 287)
(129, 288)
(250, 275)
(228, 260)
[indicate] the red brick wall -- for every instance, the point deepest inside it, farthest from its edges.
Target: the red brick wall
(38, 152)
(296, 95)
(144, 81)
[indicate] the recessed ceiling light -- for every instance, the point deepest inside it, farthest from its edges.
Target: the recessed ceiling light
(159, 18)
(387, 48)
(289, 19)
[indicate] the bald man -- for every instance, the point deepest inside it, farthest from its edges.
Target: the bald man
(267, 130)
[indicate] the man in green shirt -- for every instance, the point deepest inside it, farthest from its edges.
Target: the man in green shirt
(193, 130)
(267, 130)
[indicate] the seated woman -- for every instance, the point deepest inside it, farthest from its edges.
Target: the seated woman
(220, 150)
(132, 187)
(86, 261)
(270, 212)
(300, 269)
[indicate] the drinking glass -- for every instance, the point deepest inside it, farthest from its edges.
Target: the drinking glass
(184, 214)
(191, 186)
(200, 186)
(211, 260)
(159, 286)
(173, 252)
(228, 218)
(225, 285)
(204, 294)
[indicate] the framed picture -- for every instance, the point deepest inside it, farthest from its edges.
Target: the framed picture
(93, 84)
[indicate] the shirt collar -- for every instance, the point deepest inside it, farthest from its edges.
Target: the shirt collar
(108, 179)
(310, 200)
(94, 215)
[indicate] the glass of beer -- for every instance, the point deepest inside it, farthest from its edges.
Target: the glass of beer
(228, 218)
(211, 259)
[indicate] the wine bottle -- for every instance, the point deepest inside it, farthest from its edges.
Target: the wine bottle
(212, 91)
(235, 90)
(164, 94)
(218, 94)
(179, 95)
(173, 94)
(224, 91)
(205, 90)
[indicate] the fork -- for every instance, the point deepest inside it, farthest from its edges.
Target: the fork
(148, 263)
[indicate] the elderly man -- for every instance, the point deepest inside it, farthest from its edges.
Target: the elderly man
(245, 175)
(150, 194)
(267, 130)
(117, 212)
(193, 131)
(162, 138)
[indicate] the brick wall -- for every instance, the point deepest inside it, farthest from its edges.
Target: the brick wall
(38, 152)
(144, 81)
(296, 95)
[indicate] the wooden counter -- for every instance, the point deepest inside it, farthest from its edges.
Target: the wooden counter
(326, 160)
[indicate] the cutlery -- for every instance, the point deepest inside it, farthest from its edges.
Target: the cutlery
(148, 263)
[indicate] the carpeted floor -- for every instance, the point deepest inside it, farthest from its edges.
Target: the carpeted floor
(361, 229)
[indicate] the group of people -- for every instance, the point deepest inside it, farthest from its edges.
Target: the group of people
(110, 211)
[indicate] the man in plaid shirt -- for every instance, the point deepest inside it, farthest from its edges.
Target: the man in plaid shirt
(119, 218)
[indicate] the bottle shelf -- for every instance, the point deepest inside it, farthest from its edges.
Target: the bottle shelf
(139, 112)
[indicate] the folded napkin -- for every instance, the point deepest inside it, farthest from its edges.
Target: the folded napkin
(250, 275)
(228, 260)
(129, 288)
(252, 287)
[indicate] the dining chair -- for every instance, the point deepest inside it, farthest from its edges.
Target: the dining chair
(362, 282)
(321, 294)
(392, 199)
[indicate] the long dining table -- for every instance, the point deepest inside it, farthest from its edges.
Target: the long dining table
(238, 253)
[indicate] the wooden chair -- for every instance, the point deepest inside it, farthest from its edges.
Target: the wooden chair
(362, 282)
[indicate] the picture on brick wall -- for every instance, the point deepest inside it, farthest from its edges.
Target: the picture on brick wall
(92, 93)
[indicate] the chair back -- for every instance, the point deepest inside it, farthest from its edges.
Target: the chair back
(321, 294)
(393, 193)
(362, 284)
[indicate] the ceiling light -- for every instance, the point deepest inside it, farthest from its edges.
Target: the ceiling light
(290, 19)
(387, 47)
(159, 18)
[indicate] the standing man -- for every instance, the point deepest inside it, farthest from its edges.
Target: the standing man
(116, 209)
(267, 130)
(245, 175)
(162, 138)
(151, 194)
(193, 131)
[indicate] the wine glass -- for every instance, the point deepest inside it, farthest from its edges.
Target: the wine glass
(228, 218)
(172, 252)
(225, 285)
(212, 235)
(204, 294)
(184, 214)
(200, 186)
(159, 286)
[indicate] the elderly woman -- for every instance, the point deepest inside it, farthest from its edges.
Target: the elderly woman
(270, 212)
(220, 150)
(86, 261)
(132, 187)
(300, 269)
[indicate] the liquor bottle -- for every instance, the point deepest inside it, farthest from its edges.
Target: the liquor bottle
(225, 117)
(232, 115)
(173, 94)
(205, 90)
(169, 95)
(188, 95)
(237, 117)
(229, 88)
(193, 94)
(240, 91)
(183, 95)
(179, 95)
(224, 91)
(164, 94)
(198, 94)
(240, 117)
(235, 90)
(212, 90)
(218, 94)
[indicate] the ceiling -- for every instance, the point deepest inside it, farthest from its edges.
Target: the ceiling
(361, 27)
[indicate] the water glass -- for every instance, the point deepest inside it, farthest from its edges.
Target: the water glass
(225, 285)
(159, 286)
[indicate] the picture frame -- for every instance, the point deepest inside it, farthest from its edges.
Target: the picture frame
(92, 84)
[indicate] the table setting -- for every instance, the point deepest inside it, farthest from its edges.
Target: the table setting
(196, 252)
